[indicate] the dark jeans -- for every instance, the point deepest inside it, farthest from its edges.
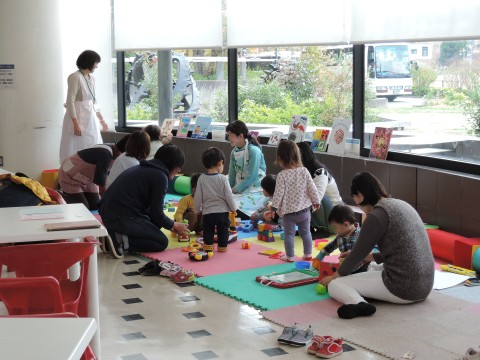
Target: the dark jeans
(90, 200)
(222, 222)
(143, 235)
(320, 217)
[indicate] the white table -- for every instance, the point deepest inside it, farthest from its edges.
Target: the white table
(45, 338)
(15, 230)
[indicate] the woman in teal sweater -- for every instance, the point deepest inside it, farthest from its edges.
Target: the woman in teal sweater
(247, 164)
(247, 167)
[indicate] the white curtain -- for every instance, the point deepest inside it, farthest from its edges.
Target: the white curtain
(161, 24)
(413, 20)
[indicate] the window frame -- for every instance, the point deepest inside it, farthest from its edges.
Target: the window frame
(357, 115)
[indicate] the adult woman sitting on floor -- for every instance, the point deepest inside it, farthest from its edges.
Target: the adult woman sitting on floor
(404, 250)
(326, 187)
(247, 167)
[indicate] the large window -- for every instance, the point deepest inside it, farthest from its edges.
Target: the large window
(431, 101)
(198, 85)
(276, 83)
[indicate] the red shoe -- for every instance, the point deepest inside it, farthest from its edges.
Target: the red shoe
(317, 343)
(330, 349)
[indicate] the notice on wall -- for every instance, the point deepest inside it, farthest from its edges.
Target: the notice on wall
(6, 76)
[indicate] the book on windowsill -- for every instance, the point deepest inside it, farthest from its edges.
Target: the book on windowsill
(275, 138)
(319, 140)
(380, 143)
(338, 135)
(202, 127)
(183, 126)
(218, 132)
(167, 126)
(298, 125)
(352, 147)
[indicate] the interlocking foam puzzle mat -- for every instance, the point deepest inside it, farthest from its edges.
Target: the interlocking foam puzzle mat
(242, 286)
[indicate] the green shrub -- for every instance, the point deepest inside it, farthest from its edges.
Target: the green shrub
(422, 78)
(471, 109)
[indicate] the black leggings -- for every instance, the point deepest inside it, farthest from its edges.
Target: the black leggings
(90, 200)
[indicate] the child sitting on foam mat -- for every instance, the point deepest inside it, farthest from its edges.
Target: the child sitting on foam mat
(185, 209)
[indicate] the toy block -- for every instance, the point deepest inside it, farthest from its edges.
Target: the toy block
(327, 269)
(463, 252)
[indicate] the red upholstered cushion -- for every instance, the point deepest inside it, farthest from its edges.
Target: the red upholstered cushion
(443, 243)
(463, 252)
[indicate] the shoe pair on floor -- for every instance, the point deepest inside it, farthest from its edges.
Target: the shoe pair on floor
(292, 335)
(168, 269)
(325, 347)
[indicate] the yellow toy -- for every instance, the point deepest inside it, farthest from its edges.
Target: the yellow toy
(458, 270)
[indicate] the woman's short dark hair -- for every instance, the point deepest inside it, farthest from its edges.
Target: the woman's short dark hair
(138, 145)
(268, 183)
(238, 127)
(309, 159)
(369, 186)
(153, 131)
(171, 155)
(341, 214)
(194, 180)
(211, 157)
(87, 59)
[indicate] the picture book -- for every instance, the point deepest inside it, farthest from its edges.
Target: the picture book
(275, 138)
(320, 138)
(167, 126)
(380, 143)
(352, 147)
(338, 135)
(202, 127)
(218, 132)
(184, 126)
(298, 126)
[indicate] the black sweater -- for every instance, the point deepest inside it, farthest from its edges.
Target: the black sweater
(139, 192)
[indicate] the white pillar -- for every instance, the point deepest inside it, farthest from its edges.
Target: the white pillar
(43, 39)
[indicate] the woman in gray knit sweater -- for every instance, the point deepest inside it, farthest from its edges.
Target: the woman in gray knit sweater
(404, 251)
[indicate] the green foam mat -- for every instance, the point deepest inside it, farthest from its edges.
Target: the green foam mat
(242, 286)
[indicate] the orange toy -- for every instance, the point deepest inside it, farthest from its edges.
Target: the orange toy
(246, 245)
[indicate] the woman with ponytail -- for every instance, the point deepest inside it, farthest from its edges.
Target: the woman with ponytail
(247, 164)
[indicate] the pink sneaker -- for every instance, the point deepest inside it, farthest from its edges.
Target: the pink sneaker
(317, 343)
(330, 349)
(287, 258)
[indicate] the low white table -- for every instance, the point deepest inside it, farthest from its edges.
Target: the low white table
(15, 230)
(45, 338)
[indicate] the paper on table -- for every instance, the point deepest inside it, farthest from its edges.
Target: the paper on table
(39, 213)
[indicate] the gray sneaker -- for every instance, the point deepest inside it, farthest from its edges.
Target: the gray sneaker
(302, 337)
(287, 334)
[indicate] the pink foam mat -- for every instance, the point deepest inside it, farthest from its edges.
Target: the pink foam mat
(234, 259)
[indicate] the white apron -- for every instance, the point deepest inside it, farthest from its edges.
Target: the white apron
(87, 119)
(252, 198)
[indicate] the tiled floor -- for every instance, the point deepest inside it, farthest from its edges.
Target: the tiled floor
(151, 318)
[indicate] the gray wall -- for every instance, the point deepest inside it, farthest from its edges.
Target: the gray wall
(447, 199)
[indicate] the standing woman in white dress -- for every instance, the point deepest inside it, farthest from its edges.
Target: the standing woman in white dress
(83, 120)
